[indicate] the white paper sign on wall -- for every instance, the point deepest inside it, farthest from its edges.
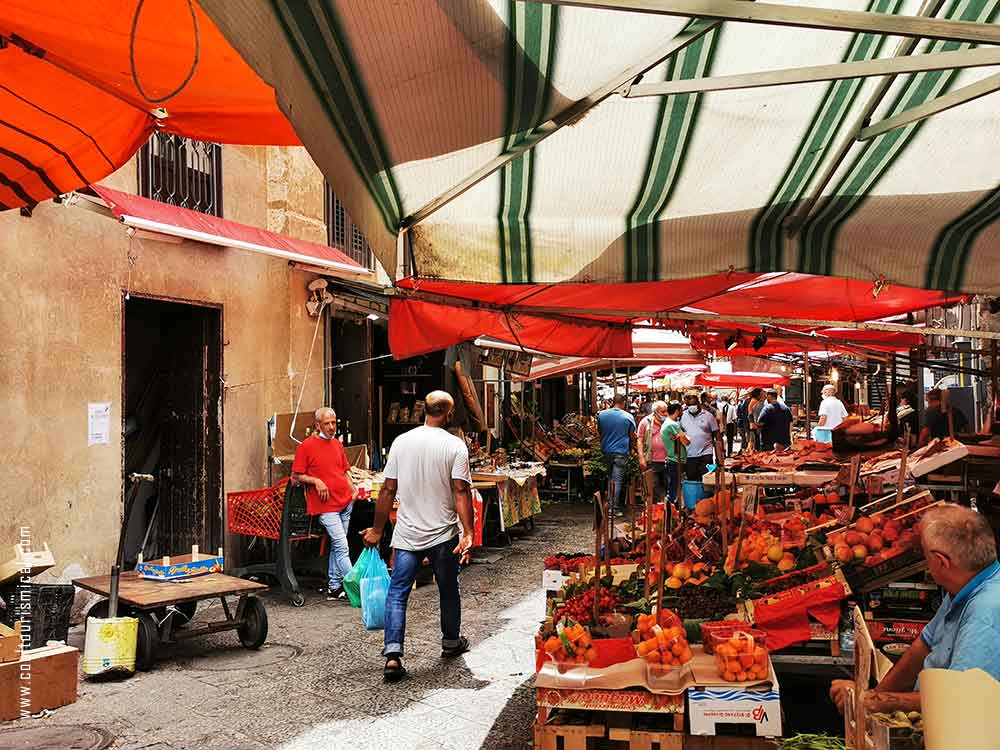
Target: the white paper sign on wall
(99, 423)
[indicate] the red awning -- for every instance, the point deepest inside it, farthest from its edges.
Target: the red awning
(163, 218)
(417, 327)
(740, 379)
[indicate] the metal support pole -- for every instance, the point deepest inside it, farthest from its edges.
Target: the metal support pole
(806, 391)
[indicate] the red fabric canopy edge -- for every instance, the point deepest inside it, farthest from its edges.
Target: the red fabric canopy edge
(126, 204)
(418, 327)
(736, 380)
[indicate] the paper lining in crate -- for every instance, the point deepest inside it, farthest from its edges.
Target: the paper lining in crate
(608, 699)
(182, 566)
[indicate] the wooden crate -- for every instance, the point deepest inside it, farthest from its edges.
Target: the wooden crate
(567, 729)
(52, 681)
(701, 742)
(598, 701)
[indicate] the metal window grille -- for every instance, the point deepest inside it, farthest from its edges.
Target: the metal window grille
(182, 172)
(344, 234)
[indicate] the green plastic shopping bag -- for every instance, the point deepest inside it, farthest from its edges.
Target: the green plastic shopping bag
(352, 581)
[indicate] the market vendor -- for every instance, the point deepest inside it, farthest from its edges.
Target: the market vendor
(321, 465)
(617, 430)
(652, 451)
(961, 554)
(700, 427)
(775, 422)
(936, 418)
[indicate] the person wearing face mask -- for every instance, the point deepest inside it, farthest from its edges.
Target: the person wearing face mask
(700, 427)
(322, 466)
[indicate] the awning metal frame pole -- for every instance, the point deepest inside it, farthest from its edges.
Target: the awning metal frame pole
(905, 47)
(973, 58)
(944, 102)
(776, 14)
(567, 117)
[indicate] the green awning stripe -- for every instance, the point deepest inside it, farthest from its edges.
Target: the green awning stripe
(766, 238)
(817, 239)
(675, 121)
(950, 255)
(531, 52)
(317, 37)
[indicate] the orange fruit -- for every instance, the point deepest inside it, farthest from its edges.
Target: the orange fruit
(678, 648)
(685, 656)
(729, 677)
(741, 676)
(746, 660)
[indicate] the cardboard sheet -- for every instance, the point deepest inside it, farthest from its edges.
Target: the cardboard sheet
(959, 709)
(699, 672)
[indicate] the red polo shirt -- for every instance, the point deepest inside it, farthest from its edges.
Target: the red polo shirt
(326, 460)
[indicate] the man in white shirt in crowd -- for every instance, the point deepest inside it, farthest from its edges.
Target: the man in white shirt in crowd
(831, 410)
(428, 471)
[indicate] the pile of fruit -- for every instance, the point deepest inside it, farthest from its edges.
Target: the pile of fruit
(874, 540)
(681, 573)
(761, 543)
(663, 644)
(571, 644)
(741, 659)
(580, 607)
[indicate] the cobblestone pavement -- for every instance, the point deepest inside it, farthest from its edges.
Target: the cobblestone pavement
(317, 682)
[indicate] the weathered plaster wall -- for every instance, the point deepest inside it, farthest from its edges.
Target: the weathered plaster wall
(61, 283)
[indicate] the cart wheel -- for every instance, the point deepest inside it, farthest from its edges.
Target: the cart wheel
(186, 611)
(298, 599)
(253, 631)
(147, 640)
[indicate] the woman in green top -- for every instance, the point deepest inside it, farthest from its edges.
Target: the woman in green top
(675, 441)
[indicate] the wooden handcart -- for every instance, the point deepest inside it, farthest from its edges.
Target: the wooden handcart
(164, 607)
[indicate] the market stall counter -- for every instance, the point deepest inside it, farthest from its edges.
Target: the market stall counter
(516, 491)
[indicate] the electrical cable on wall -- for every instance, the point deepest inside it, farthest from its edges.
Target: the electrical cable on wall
(305, 373)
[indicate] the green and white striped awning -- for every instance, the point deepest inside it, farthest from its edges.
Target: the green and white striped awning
(404, 104)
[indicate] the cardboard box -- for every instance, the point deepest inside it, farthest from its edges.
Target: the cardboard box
(759, 706)
(179, 567)
(894, 637)
(904, 601)
(44, 678)
(10, 642)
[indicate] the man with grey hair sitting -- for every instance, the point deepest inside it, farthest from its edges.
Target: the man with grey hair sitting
(961, 553)
(321, 465)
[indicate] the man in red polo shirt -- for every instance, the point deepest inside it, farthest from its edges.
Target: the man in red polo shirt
(321, 465)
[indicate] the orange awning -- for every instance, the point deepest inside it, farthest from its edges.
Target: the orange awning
(71, 112)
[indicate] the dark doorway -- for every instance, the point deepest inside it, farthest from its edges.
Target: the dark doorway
(172, 427)
(350, 377)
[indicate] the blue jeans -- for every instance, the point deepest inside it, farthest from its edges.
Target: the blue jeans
(336, 525)
(670, 473)
(618, 462)
(404, 572)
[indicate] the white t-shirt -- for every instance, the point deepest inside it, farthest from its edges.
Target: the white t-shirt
(423, 461)
(834, 410)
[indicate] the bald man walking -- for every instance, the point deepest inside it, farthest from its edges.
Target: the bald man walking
(321, 465)
(428, 472)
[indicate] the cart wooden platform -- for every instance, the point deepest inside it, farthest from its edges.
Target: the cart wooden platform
(164, 607)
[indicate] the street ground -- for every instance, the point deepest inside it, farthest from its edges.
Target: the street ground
(317, 682)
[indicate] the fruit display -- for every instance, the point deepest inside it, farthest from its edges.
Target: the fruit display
(714, 634)
(872, 540)
(681, 573)
(573, 562)
(741, 659)
(662, 643)
(580, 607)
(571, 644)
(700, 603)
(791, 580)
(761, 543)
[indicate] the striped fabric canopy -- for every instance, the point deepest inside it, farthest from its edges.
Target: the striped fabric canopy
(402, 103)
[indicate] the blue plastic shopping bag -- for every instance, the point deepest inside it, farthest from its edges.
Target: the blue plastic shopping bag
(352, 581)
(374, 590)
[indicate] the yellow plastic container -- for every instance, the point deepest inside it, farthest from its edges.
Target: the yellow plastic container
(110, 645)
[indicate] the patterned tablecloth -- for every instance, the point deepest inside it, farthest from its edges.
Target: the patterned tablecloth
(518, 501)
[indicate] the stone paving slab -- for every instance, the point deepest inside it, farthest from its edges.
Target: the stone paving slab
(317, 683)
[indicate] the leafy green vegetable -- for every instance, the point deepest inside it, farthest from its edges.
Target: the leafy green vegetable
(810, 742)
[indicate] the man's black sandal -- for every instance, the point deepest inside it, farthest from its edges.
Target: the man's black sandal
(396, 673)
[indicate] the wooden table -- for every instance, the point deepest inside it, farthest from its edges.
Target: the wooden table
(162, 606)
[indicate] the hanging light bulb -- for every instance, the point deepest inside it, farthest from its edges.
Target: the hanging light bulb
(834, 375)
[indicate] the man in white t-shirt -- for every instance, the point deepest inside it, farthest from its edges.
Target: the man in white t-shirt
(428, 472)
(831, 410)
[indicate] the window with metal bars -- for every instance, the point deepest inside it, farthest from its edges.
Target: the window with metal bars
(182, 172)
(344, 234)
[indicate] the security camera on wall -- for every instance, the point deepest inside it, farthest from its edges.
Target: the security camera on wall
(319, 297)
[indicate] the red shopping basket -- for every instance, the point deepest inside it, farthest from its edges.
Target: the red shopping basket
(258, 513)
